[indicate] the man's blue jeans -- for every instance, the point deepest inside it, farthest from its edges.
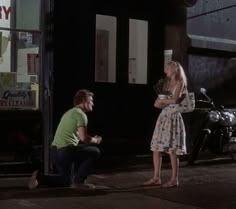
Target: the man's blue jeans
(74, 163)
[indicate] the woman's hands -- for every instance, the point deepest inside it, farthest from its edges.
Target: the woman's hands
(159, 103)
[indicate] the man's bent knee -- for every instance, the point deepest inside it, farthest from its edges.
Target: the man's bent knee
(95, 152)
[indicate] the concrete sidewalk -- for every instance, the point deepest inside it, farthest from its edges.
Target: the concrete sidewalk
(208, 185)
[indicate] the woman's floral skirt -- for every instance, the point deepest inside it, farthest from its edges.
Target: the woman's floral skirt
(169, 135)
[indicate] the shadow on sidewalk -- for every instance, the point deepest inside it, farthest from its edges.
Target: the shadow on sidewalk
(47, 192)
(19, 193)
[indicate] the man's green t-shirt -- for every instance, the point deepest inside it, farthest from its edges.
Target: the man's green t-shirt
(66, 131)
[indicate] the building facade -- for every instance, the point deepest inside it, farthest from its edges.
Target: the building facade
(50, 49)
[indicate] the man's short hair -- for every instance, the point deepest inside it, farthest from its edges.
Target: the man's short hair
(81, 95)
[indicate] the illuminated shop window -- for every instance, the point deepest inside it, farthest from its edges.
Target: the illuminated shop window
(105, 63)
(138, 46)
(20, 58)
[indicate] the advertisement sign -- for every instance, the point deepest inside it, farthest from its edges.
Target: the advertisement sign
(17, 99)
(33, 63)
(5, 22)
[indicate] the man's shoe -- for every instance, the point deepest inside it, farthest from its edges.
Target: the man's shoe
(33, 182)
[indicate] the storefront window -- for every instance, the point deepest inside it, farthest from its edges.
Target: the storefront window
(138, 46)
(27, 14)
(19, 54)
(105, 63)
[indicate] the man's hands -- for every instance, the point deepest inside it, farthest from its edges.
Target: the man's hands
(99, 139)
(96, 139)
(86, 138)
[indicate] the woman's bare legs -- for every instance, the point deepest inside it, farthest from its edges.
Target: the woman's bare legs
(156, 179)
(157, 160)
(174, 172)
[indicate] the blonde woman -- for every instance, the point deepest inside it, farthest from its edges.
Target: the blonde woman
(169, 134)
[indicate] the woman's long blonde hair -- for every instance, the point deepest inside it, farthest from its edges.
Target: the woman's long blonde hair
(179, 72)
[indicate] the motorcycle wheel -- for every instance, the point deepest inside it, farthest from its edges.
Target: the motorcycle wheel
(199, 143)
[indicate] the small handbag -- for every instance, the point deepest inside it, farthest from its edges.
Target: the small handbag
(187, 104)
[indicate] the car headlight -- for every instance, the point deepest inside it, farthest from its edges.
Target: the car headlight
(214, 116)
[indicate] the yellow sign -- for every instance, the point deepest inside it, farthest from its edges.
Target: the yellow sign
(7, 80)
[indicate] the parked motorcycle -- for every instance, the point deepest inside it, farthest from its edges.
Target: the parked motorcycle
(217, 133)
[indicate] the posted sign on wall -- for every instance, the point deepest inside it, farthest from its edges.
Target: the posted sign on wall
(17, 99)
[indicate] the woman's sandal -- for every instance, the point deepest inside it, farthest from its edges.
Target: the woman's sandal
(152, 182)
(170, 184)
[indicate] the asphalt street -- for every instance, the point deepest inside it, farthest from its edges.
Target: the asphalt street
(206, 185)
